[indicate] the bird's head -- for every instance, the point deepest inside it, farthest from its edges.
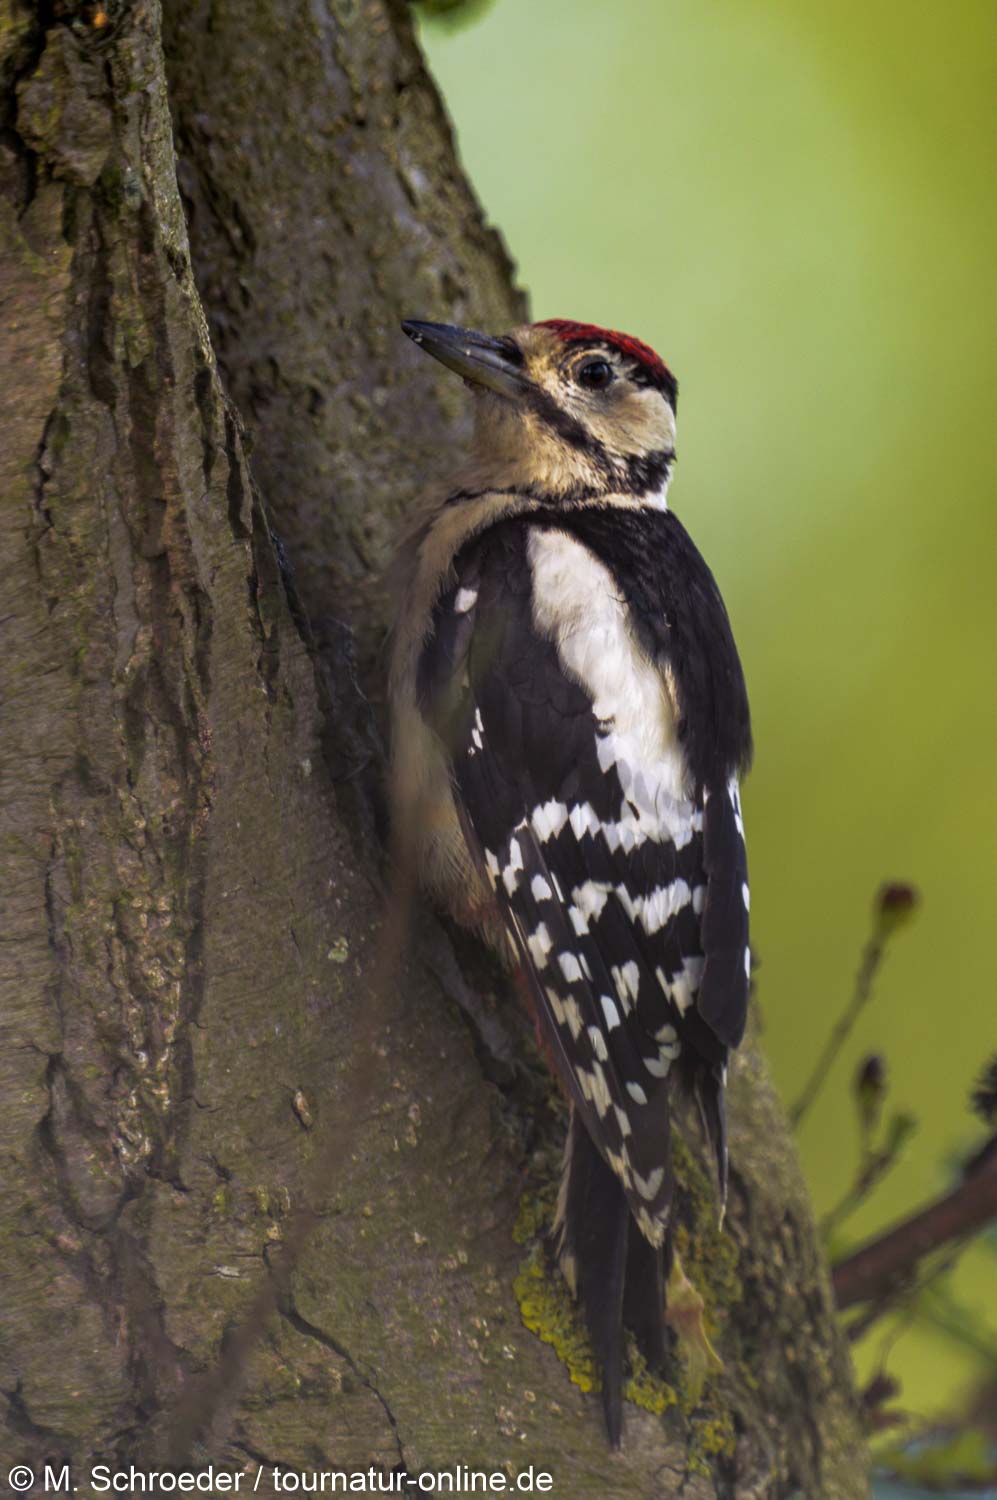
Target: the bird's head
(564, 410)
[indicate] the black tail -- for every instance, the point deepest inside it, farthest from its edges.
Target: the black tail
(709, 1091)
(644, 1295)
(615, 1273)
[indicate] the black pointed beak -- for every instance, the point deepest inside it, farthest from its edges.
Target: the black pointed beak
(496, 363)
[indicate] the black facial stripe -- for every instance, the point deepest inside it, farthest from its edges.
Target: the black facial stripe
(641, 475)
(576, 495)
(648, 472)
(565, 425)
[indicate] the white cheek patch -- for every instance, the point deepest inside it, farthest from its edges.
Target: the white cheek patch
(640, 422)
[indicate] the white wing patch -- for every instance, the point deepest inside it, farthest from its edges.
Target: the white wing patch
(577, 605)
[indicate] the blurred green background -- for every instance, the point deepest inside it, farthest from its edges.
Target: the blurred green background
(794, 204)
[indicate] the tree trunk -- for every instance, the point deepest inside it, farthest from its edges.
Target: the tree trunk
(190, 770)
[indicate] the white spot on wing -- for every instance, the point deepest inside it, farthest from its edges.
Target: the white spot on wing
(610, 1012)
(621, 1167)
(651, 1229)
(573, 1017)
(734, 793)
(583, 820)
(540, 945)
(662, 904)
(600, 1090)
(627, 981)
(649, 1186)
(570, 967)
(683, 986)
(466, 599)
(548, 820)
(510, 875)
(591, 897)
(598, 1043)
(636, 1093)
(539, 889)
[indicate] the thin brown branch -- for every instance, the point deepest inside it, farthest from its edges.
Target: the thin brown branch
(871, 1271)
(872, 956)
(895, 904)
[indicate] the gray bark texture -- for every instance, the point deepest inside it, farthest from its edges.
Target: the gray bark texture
(190, 763)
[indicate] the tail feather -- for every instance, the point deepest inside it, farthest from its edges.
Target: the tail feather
(592, 1226)
(709, 1090)
(644, 1296)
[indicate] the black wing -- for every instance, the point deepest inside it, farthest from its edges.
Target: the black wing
(619, 924)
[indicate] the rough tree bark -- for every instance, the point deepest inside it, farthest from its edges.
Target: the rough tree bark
(189, 804)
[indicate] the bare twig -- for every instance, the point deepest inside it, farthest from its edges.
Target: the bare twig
(871, 957)
(894, 905)
(875, 1164)
(871, 1271)
(905, 1297)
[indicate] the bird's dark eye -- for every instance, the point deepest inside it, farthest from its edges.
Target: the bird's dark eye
(595, 374)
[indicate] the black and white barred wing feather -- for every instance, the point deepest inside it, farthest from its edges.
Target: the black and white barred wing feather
(616, 881)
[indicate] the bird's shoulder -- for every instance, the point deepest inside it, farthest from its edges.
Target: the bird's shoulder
(626, 577)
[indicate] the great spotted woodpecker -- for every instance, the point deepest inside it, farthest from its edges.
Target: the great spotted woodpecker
(569, 724)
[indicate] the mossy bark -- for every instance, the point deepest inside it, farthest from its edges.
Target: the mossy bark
(189, 806)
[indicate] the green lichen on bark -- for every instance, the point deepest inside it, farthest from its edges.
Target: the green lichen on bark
(710, 1260)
